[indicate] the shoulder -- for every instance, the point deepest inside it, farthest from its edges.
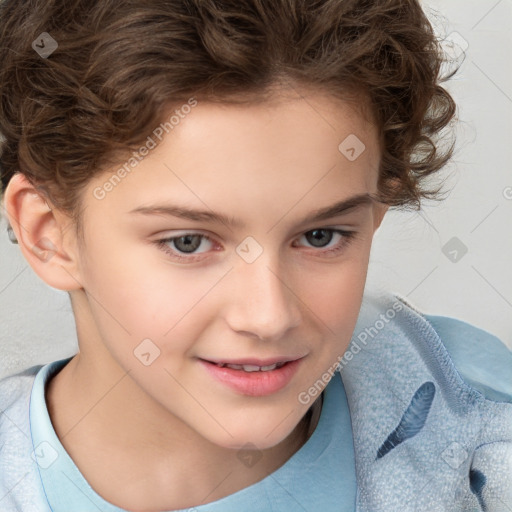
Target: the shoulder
(18, 473)
(15, 393)
(483, 360)
(465, 354)
(15, 389)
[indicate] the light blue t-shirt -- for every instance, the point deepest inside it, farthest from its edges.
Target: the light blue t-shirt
(420, 420)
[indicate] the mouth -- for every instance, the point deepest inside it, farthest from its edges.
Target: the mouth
(253, 377)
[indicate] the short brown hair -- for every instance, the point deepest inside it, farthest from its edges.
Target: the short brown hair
(119, 64)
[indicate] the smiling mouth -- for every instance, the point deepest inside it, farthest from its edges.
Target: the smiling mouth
(254, 377)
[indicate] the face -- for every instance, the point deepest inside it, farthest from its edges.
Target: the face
(253, 281)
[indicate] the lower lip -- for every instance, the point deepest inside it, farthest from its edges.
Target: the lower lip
(254, 383)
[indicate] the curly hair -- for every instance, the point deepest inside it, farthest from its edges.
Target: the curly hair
(120, 64)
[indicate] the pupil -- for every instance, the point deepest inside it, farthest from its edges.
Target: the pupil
(317, 237)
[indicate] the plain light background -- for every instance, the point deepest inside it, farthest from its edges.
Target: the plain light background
(452, 258)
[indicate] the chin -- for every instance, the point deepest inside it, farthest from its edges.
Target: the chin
(261, 435)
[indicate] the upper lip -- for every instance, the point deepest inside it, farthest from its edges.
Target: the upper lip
(254, 361)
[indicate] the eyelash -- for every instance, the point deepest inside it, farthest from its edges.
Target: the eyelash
(348, 238)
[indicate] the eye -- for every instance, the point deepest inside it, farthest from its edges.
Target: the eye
(320, 238)
(188, 243)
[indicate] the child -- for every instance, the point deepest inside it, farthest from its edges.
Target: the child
(172, 166)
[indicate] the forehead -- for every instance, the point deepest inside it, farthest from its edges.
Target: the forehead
(308, 150)
(283, 129)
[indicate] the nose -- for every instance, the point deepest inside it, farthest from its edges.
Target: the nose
(262, 301)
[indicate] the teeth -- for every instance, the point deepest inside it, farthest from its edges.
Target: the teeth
(251, 367)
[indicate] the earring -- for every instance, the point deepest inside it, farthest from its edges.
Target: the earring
(12, 236)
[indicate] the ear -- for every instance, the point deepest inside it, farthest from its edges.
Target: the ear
(46, 236)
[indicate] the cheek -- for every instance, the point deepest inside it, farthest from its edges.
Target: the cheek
(335, 296)
(134, 296)
(334, 304)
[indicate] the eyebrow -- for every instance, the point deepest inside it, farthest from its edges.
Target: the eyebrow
(341, 207)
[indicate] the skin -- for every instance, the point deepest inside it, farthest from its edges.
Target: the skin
(166, 436)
